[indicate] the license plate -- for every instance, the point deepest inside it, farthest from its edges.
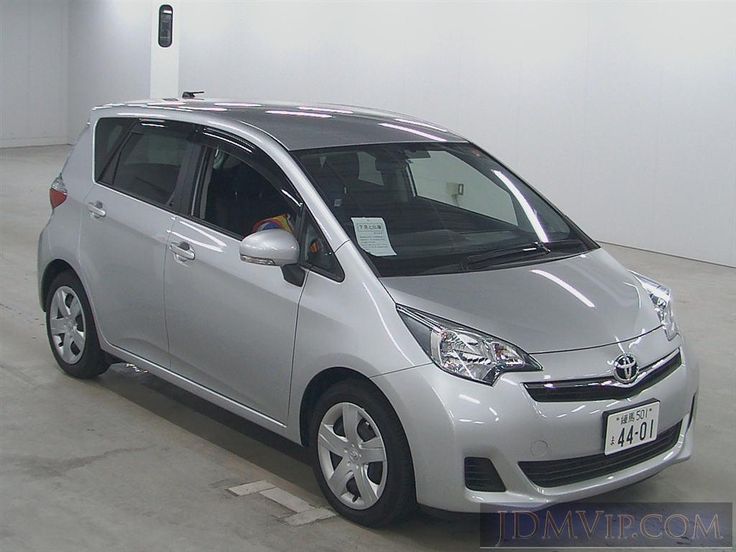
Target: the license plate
(632, 427)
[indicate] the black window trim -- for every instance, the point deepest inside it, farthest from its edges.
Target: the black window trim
(305, 218)
(190, 198)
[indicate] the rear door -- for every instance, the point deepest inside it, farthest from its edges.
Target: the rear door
(139, 167)
(231, 324)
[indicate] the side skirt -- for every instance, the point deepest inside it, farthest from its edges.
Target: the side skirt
(193, 387)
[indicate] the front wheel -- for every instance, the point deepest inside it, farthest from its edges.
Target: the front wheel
(71, 329)
(360, 455)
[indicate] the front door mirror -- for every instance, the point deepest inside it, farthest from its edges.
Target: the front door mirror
(273, 247)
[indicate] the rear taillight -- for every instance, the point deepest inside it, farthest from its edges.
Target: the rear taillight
(57, 192)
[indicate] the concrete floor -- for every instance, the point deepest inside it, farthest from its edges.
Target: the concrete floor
(128, 462)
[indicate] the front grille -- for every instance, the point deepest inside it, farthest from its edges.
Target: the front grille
(481, 475)
(595, 389)
(554, 473)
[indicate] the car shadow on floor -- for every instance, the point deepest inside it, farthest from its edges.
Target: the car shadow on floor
(270, 452)
(428, 529)
(210, 422)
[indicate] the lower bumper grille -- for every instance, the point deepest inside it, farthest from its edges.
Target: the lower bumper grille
(555, 473)
(481, 475)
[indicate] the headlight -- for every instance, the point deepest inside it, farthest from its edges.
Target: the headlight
(465, 352)
(661, 297)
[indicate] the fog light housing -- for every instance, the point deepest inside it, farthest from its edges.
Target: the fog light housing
(481, 475)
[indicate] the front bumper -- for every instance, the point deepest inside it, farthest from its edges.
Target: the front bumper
(447, 419)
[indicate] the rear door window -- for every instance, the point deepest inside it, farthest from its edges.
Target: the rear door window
(149, 162)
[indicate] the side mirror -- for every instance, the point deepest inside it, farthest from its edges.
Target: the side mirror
(274, 247)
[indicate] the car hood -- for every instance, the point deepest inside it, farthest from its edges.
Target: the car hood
(579, 302)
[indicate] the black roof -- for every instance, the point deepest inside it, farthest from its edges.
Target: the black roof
(306, 126)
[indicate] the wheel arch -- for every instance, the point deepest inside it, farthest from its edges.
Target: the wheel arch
(318, 385)
(52, 270)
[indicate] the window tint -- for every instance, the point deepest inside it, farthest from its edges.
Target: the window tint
(149, 164)
(242, 195)
(109, 132)
(316, 252)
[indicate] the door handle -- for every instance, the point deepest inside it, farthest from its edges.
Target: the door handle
(182, 250)
(95, 209)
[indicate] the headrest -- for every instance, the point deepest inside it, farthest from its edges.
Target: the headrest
(346, 165)
(313, 166)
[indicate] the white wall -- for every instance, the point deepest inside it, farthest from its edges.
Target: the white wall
(622, 113)
(109, 55)
(33, 72)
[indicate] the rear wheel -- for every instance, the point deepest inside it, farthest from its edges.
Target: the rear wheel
(71, 329)
(360, 455)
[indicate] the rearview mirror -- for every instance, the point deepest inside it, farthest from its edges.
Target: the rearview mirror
(274, 247)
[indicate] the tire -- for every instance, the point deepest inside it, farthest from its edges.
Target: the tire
(71, 329)
(370, 493)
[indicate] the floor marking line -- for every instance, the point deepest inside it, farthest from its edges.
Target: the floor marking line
(251, 488)
(308, 516)
(288, 500)
(304, 512)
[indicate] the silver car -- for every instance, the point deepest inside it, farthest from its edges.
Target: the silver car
(373, 287)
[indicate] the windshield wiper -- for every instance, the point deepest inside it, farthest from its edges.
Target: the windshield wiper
(569, 243)
(481, 259)
(532, 249)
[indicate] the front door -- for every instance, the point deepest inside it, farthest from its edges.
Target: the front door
(231, 324)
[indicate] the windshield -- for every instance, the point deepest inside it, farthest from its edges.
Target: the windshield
(437, 208)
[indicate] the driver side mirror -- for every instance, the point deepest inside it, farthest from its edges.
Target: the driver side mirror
(273, 247)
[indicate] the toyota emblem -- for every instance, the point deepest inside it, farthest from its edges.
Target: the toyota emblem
(625, 368)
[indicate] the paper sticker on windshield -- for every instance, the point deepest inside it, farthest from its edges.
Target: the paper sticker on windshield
(372, 236)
